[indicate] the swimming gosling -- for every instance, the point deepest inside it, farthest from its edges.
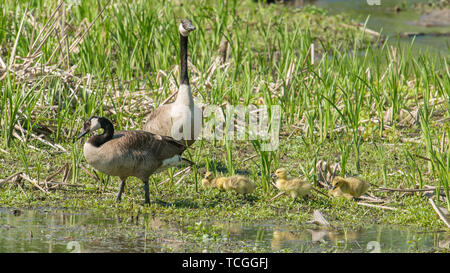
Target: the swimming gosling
(295, 187)
(350, 186)
(129, 153)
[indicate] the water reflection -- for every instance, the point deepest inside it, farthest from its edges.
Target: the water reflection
(59, 231)
(283, 239)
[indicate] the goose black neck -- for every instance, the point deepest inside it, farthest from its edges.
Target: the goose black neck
(183, 56)
(107, 135)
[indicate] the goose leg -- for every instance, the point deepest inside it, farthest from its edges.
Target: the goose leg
(121, 188)
(146, 192)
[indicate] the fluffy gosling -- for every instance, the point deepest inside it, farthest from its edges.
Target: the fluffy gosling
(336, 192)
(208, 180)
(350, 186)
(295, 187)
(220, 181)
(239, 184)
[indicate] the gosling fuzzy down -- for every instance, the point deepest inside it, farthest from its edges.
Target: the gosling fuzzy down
(239, 184)
(338, 193)
(220, 181)
(350, 186)
(295, 187)
(208, 180)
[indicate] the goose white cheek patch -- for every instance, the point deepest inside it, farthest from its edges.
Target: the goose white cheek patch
(95, 125)
(183, 31)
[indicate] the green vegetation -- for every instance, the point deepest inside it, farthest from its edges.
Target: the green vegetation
(379, 110)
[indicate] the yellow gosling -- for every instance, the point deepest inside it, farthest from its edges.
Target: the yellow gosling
(295, 187)
(208, 180)
(350, 185)
(220, 182)
(239, 184)
(338, 193)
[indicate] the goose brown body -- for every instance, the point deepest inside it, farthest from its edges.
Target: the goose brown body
(129, 153)
(132, 153)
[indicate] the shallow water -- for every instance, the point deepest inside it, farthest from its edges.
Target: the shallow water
(58, 231)
(383, 19)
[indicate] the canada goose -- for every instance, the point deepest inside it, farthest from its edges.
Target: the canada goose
(239, 184)
(350, 186)
(295, 186)
(129, 153)
(173, 118)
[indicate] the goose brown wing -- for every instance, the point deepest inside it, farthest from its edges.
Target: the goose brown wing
(148, 144)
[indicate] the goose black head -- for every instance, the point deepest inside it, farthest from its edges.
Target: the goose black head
(185, 27)
(91, 125)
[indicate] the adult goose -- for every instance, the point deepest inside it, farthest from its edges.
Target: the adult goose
(181, 119)
(130, 153)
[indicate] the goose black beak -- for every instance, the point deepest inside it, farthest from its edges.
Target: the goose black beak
(274, 176)
(333, 187)
(190, 27)
(82, 134)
